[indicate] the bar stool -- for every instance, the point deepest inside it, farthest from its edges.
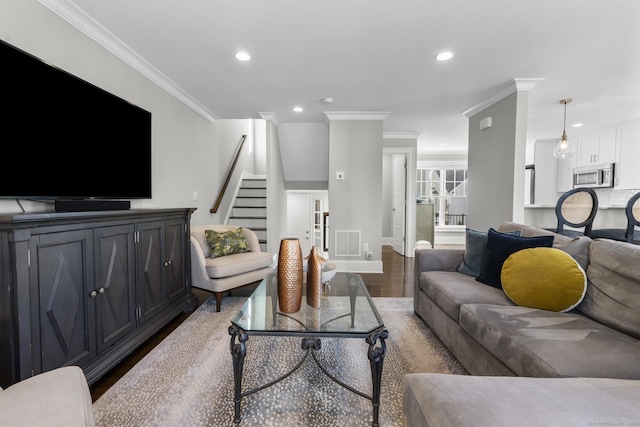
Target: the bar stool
(576, 208)
(629, 234)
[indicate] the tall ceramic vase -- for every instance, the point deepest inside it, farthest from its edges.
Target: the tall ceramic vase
(290, 275)
(314, 278)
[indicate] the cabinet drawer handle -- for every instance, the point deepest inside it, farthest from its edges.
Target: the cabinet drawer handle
(93, 294)
(101, 290)
(167, 263)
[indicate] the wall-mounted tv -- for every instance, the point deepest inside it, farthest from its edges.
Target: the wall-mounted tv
(65, 138)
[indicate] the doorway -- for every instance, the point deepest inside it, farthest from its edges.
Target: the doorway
(399, 196)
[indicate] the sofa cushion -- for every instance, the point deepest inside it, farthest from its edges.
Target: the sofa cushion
(499, 247)
(545, 278)
(577, 247)
(475, 250)
(222, 243)
(541, 343)
(237, 264)
(613, 290)
(449, 290)
(461, 400)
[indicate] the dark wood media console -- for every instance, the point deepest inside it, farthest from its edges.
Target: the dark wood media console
(87, 288)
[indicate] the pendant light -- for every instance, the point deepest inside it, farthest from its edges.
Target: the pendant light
(564, 148)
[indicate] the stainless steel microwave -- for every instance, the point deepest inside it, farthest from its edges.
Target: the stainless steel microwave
(594, 175)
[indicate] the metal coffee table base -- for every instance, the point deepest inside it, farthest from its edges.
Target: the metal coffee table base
(376, 352)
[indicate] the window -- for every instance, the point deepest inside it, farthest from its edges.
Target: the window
(447, 190)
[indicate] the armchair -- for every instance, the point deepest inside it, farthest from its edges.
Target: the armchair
(222, 274)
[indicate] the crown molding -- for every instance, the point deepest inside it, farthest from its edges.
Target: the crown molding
(90, 27)
(272, 117)
(513, 86)
(400, 135)
(356, 115)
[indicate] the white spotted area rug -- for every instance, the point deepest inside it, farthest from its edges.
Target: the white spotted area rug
(187, 380)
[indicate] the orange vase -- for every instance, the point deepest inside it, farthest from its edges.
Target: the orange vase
(290, 275)
(314, 278)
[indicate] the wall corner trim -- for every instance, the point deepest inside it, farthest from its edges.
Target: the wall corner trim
(518, 84)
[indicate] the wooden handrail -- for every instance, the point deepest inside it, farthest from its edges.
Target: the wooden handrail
(215, 207)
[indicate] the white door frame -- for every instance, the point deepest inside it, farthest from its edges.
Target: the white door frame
(410, 187)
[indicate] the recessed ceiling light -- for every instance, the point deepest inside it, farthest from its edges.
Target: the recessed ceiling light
(577, 125)
(443, 144)
(444, 56)
(298, 109)
(243, 56)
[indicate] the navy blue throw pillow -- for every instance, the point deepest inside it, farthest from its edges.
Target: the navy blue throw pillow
(474, 251)
(499, 247)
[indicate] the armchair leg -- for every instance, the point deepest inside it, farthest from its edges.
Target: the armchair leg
(218, 296)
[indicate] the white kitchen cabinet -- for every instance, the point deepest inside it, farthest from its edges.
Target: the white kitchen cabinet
(597, 148)
(627, 171)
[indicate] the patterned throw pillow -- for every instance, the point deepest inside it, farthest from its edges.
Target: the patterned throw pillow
(223, 243)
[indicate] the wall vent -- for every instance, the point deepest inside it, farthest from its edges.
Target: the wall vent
(347, 243)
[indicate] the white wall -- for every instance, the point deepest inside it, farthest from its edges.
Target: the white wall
(276, 195)
(355, 148)
(305, 155)
(497, 163)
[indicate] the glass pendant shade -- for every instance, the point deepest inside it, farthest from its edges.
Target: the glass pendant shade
(563, 148)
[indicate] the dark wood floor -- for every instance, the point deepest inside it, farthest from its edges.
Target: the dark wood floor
(395, 281)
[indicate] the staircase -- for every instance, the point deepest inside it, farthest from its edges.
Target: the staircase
(250, 208)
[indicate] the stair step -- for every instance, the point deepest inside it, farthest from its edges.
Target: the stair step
(261, 233)
(250, 212)
(251, 201)
(248, 222)
(252, 192)
(254, 183)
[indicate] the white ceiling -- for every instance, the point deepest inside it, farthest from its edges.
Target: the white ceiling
(378, 55)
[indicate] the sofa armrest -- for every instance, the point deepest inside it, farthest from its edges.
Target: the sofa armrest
(199, 276)
(438, 260)
(435, 260)
(59, 397)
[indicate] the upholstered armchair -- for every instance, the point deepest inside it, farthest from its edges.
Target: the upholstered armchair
(218, 272)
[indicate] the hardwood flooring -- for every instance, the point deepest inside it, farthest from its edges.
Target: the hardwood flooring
(395, 281)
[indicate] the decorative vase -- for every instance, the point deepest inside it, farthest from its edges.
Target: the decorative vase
(314, 278)
(290, 275)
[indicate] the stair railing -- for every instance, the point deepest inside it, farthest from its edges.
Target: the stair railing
(215, 207)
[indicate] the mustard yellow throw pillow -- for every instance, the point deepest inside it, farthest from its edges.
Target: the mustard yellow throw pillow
(544, 278)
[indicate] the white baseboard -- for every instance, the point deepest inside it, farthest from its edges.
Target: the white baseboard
(359, 266)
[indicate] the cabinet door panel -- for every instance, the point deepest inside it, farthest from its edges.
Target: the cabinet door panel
(115, 279)
(176, 236)
(151, 295)
(63, 266)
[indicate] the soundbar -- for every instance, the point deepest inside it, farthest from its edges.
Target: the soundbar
(91, 205)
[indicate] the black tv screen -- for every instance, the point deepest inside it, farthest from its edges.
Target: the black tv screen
(64, 138)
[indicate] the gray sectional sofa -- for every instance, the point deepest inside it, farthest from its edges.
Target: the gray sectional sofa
(596, 345)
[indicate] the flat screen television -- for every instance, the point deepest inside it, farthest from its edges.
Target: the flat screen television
(67, 139)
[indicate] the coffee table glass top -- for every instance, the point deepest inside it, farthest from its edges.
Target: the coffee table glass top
(346, 309)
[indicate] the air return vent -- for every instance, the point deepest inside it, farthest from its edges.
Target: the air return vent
(347, 242)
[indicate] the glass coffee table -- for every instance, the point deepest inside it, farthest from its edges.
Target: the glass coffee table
(346, 311)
